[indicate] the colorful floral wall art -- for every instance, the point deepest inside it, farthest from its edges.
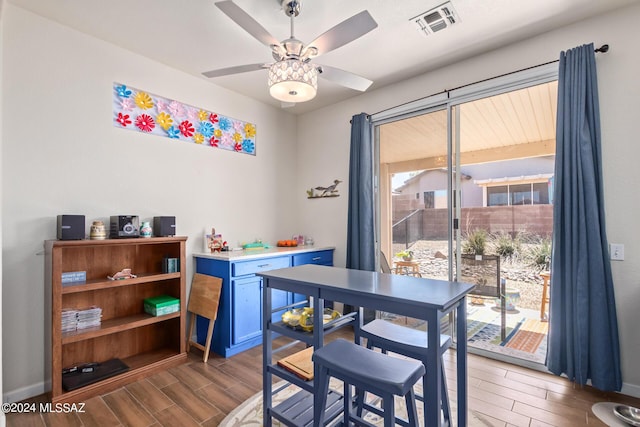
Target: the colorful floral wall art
(141, 111)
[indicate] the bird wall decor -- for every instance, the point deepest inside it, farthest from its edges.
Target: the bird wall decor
(330, 191)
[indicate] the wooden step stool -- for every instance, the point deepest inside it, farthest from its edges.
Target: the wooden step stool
(203, 301)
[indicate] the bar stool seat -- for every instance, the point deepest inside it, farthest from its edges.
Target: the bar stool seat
(411, 343)
(370, 371)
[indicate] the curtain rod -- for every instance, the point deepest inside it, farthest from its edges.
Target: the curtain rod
(604, 49)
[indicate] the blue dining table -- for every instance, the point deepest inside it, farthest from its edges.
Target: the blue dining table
(420, 298)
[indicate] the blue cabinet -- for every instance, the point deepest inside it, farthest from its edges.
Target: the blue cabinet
(239, 323)
(247, 309)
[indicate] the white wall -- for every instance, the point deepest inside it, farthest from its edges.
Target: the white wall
(324, 145)
(61, 154)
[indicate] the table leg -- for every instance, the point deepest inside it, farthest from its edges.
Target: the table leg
(461, 353)
(433, 394)
(266, 355)
(318, 342)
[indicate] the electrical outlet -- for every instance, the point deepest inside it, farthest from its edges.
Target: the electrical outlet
(616, 251)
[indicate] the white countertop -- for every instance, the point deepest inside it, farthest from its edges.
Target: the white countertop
(247, 254)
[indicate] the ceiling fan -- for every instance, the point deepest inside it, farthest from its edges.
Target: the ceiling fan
(292, 77)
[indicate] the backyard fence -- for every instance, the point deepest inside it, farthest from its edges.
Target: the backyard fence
(433, 223)
(409, 229)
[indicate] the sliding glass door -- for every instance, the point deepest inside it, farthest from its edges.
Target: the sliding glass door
(465, 193)
(414, 186)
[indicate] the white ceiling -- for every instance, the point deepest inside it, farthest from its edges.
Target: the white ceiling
(195, 36)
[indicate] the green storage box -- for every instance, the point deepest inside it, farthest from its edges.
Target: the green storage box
(161, 305)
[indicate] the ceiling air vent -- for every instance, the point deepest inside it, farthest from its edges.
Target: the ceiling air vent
(436, 19)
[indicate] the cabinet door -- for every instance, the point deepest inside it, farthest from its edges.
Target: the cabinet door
(247, 309)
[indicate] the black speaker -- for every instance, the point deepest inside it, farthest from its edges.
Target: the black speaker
(70, 227)
(164, 226)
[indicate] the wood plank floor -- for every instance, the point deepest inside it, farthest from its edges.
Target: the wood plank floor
(198, 394)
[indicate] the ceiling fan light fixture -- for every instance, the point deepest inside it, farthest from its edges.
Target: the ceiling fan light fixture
(292, 80)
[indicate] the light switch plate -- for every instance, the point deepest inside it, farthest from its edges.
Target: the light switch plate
(616, 251)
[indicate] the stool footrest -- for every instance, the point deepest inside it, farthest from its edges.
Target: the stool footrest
(374, 409)
(298, 409)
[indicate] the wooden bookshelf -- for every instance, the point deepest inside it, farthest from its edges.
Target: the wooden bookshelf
(147, 344)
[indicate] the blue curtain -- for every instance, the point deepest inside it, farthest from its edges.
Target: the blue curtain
(361, 243)
(583, 329)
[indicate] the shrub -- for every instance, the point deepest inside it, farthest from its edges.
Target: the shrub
(475, 243)
(541, 255)
(505, 246)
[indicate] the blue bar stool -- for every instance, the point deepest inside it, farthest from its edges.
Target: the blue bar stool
(411, 343)
(370, 371)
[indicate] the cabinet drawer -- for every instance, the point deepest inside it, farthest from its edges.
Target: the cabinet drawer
(321, 258)
(257, 266)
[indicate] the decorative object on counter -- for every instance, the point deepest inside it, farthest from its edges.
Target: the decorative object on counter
(125, 226)
(206, 238)
(287, 243)
(98, 231)
(309, 241)
(254, 245)
(299, 238)
(145, 229)
(70, 227)
(330, 191)
(125, 273)
(143, 112)
(215, 243)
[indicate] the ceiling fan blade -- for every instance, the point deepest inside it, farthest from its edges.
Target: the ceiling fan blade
(245, 20)
(235, 70)
(344, 78)
(345, 32)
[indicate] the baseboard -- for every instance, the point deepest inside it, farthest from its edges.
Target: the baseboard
(630, 389)
(27, 392)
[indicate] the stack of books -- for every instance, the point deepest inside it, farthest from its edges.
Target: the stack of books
(89, 317)
(80, 319)
(69, 319)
